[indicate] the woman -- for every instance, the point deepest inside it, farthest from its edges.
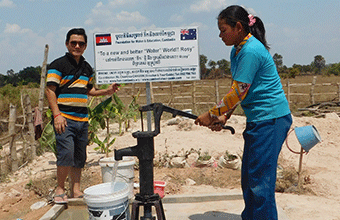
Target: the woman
(257, 87)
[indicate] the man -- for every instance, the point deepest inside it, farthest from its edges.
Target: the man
(68, 84)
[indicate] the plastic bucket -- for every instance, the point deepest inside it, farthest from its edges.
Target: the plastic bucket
(104, 203)
(159, 187)
(187, 111)
(308, 136)
(124, 171)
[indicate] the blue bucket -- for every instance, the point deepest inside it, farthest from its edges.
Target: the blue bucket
(308, 136)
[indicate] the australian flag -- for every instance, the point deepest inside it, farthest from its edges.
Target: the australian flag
(103, 39)
(189, 34)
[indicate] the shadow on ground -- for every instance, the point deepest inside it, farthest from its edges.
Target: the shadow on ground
(215, 216)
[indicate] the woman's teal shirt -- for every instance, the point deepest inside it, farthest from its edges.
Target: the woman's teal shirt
(254, 65)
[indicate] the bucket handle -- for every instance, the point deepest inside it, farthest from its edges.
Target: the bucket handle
(295, 152)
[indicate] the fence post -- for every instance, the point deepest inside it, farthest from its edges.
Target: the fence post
(171, 93)
(42, 81)
(194, 109)
(133, 88)
(32, 149)
(11, 131)
(24, 112)
(3, 169)
(288, 91)
(338, 84)
(312, 90)
(151, 93)
(217, 92)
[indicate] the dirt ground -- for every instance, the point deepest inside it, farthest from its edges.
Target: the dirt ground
(319, 197)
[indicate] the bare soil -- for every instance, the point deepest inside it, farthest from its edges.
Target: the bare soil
(319, 197)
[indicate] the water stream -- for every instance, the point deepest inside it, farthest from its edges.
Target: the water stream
(114, 173)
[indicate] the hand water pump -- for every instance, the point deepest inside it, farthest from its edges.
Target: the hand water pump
(144, 151)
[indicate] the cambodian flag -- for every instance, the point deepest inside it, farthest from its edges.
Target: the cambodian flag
(103, 39)
(188, 34)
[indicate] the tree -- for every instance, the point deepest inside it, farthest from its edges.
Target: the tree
(303, 68)
(24, 77)
(278, 60)
(293, 72)
(3, 80)
(319, 63)
(224, 66)
(12, 77)
(29, 74)
(203, 62)
(10, 73)
(212, 64)
(334, 69)
(213, 72)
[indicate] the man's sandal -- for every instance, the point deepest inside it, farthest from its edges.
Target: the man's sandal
(63, 196)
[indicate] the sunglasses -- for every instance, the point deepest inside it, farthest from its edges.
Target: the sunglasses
(75, 43)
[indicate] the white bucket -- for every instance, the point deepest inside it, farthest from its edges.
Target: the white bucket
(106, 204)
(124, 171)
(187, 111)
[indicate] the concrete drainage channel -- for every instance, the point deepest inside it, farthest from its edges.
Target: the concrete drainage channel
(171, 200)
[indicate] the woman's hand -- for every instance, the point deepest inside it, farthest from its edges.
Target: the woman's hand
(205, 119)
(218, 125)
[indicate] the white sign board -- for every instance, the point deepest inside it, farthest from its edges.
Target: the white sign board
(147, 56)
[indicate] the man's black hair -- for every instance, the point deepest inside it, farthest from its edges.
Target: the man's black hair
(77, 31)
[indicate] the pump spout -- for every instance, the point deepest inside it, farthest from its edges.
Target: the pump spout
(130, 151)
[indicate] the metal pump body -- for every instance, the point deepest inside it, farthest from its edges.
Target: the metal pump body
(144, 151)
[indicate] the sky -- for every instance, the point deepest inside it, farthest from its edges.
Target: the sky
(297, 30)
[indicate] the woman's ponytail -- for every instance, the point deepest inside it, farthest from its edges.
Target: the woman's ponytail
(258, 30)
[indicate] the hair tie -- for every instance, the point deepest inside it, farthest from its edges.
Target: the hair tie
(252, 20)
